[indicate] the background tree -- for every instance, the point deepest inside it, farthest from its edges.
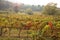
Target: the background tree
(29, 11)
(50, 9)
(58, 11)
(16, 7)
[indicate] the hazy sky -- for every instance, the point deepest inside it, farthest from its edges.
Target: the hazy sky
(36, 2)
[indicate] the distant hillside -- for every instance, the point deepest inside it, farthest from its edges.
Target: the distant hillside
(5, 5)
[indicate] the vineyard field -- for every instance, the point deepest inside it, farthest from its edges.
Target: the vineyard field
(29, 27)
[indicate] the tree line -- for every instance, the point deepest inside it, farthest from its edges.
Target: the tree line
(49, 9)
